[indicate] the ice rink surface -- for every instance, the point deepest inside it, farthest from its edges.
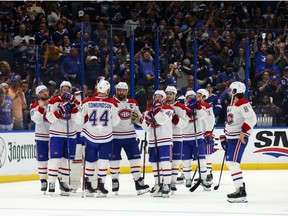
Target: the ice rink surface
(267, 195)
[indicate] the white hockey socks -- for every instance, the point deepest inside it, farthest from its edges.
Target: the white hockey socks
(115, 169)
(53, 167)
(42, 169)
(175, 170)
(208, 164)
(166, 171)
(64, 170)
(135, 168)
(186, 166)
(102, 169)
(236, 173)
(155, 173)
(203, 169)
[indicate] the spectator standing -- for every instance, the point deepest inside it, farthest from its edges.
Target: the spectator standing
(19, 102)
(70, 67)
(6, 122)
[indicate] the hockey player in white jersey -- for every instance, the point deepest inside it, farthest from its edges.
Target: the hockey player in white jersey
(62, 132)
(241, 119)
(125, 138)
(157, 121)
(38, 116)
(180, 121)
(101, 115)
(208, 127)
(196, 113)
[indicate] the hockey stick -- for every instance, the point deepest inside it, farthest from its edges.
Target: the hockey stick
(145, 143)
(68, 146)
(222, 166)
(196, 185)
(156, 148)
(83, 172)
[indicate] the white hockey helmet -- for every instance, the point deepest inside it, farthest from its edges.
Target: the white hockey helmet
(171, 89)
(40, 88)
(122, 85)
(65, 83)
(203, 93)
(237, 87)
(190, 93)
(103, 86)
(160, 92)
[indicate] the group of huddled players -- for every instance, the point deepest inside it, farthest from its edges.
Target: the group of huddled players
(81, 139)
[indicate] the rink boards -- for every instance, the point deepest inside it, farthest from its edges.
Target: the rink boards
(267, 149)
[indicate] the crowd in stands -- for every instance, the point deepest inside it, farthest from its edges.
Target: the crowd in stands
(220, 28)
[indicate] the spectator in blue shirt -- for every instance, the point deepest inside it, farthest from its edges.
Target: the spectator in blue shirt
(228, 76)
(269, 66)
(6, 122)
(70, 67)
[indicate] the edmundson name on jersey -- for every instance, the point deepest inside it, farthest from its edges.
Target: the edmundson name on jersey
(20, 152)
(99, 105)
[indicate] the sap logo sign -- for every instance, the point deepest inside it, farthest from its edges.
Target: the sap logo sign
(125, 114)
(272, 143)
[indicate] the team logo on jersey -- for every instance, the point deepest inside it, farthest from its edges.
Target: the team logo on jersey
(272, 143)
(125, 114)
(3, 152)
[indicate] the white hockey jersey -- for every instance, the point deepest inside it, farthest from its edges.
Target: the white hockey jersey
(38, 116)
(99, 115)
(58, 127)
(125, 129)
(240, 117)
(209, 120)
(180, 111)
(163, 127)
(189, 131)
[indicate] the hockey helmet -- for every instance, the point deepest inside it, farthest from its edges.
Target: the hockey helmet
(40, 88)
(122, 85)
(203, 93)
(171, 89)
(237, 87)
(103, 86)
(189, 93)
(65, 83)
(160, 92)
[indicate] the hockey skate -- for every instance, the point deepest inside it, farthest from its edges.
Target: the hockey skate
(141, 188)
(209, 179)
(180, 179)
(156, 191)
(173, 188)
(64, 188)
(51, 187)
(90, 191)
(102, 192)
(239, 196)
(188, 183)
(44, 185)
(115, 186)
(165, 190)
(206, 185)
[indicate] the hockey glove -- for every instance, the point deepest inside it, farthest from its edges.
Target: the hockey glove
(209, 137)
(175, 119)
(156, 106)
(149, 118)
(64, 108)
(193, 103)
(69, 97)
(223, 141)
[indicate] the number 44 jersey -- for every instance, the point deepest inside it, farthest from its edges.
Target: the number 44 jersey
(99, 115)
